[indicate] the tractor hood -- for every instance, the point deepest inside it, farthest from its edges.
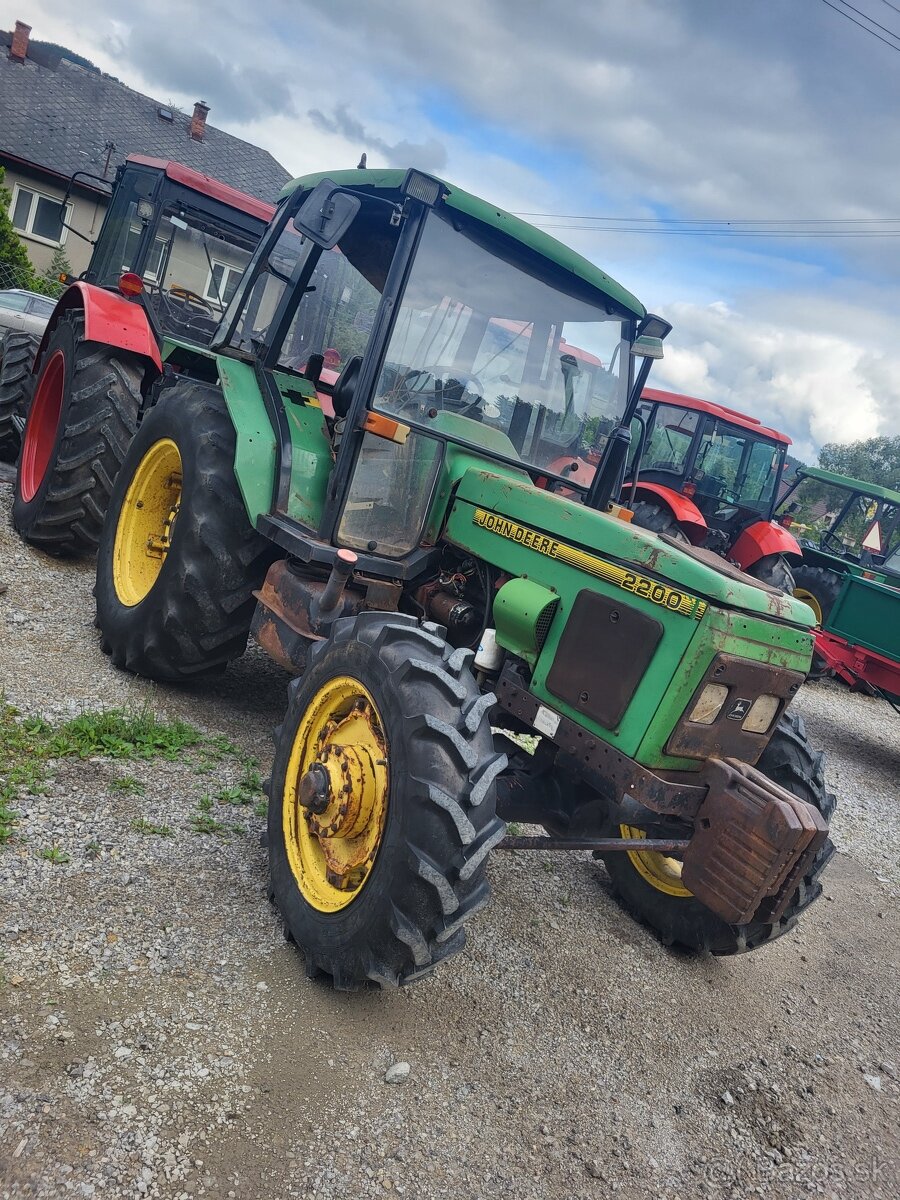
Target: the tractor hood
(562, 529)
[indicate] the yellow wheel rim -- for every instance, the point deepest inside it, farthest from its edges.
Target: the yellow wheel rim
(808, 598)
(146, 521)
(659, 870)
(335, 799)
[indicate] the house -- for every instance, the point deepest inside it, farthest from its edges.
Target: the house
(59, 116)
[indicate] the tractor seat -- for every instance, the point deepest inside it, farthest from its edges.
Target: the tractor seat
(345, 386)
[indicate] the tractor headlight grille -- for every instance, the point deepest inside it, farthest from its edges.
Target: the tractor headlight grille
(733, 710)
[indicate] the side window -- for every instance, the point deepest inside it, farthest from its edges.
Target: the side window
(16, 301)
(334, 318)
(670, 442)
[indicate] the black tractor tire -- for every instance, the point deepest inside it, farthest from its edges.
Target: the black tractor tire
(788, 760)
(196, 616)
(60, 508)
(19, 349)
(774, 570)
(427, 877)
(821, 583)
(657, 518)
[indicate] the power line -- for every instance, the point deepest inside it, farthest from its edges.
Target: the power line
(716, 220)
(893, 6)
(871, 20)
(734, 233)
(864, 27)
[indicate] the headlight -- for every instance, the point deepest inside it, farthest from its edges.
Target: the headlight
(709, 705)
(762, 714)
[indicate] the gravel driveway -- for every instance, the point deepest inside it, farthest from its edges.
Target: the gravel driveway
(159, 1038)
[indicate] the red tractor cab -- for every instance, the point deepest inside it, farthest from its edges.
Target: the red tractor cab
(173, 245)
(711, 476)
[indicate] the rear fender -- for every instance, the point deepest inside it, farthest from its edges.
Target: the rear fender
(683, 509)
(109, 319)
(761, 539)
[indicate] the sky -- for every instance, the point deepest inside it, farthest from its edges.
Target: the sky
(777, 117)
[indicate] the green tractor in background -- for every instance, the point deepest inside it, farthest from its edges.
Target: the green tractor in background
(359, 472)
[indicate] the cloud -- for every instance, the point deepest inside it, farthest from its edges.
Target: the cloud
(428, 156)
(816, 386)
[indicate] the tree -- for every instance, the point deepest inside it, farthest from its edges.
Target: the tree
(15, 265)
(875, 460)
(59, 265)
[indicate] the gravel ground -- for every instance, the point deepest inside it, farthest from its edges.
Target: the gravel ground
(159, 1038)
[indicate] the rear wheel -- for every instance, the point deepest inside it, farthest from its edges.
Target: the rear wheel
(774, 570)
(382, 802)
(818, 587)
(82, 418)
(179, 559)
(649, 884)
(658, 518)
(19, 349)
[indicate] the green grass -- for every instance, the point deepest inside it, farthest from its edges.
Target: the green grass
(202, 822)
(54, 854)
(128, 785)
(142, 825)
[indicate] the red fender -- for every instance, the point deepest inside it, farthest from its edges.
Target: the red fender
(761, 539)
(684, 510)
(108, 318)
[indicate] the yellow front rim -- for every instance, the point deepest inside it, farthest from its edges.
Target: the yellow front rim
(809, 598)
(336, 790)
(146, 520)
(659, 870)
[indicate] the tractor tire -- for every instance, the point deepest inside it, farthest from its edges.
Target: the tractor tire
(390, 686)
(82, 418)
(657, 518)
(184, 608)
(774, 570)
(19, 349)
(818, 587)
(649, 884)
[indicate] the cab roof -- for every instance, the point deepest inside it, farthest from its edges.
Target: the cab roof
(206, 185)
(731, 415)
(488, 214)
(850, 485)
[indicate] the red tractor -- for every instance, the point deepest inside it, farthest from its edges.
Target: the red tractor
(700, 473)
(710, 475)
(170, 252)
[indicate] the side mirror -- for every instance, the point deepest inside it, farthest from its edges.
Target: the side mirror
(646, 346)
(326, 214)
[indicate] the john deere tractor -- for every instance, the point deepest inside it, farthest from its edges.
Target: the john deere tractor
(393, 533)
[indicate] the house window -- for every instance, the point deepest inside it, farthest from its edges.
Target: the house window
(38, 216)
(221, 283)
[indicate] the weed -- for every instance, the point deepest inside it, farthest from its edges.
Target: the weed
(142, 825)
(514, 829)
(128, 784)
(118, 734)
(204, 823)
(54, 854)
(205, 804)
(262, 809)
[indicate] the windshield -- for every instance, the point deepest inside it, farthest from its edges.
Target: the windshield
(189, 259)
(736, 467)
(544, 369)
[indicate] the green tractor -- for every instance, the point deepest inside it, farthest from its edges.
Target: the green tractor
(358, 472)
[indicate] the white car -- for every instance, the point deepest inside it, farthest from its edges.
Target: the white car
(28, 311)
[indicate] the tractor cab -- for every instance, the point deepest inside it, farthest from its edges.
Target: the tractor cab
(433, 336)
(727, 463)
(179, 238)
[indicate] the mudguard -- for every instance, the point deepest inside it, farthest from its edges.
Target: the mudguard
(108, 318)
(686, 513)
(761, 539)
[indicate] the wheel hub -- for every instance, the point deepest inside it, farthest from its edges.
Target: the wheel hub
(341, 796)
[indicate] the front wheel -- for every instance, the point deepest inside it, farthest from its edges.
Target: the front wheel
(657, 518)
(649, 884)
(382, 805)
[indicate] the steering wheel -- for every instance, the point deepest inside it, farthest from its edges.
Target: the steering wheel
(830, 536)
(410, 390)
(189, 299)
